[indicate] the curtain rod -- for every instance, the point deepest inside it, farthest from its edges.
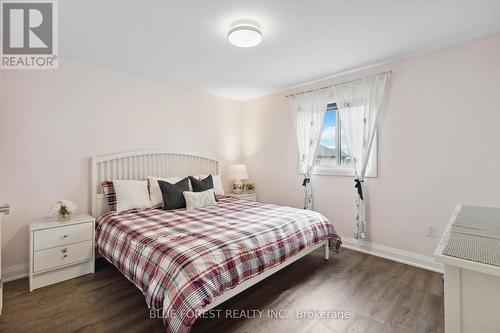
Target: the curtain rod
(331, 85)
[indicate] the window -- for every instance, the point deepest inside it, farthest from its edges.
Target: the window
(333, 155)
(332, 150)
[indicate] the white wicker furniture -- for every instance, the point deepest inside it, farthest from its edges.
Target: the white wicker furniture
(471, 288)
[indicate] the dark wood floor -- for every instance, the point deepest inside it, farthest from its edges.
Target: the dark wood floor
(381, 296)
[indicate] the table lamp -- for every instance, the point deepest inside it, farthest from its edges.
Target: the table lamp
(238, 172)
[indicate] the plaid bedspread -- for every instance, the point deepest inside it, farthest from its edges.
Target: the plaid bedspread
(182, 260)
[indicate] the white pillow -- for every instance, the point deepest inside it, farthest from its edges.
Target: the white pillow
(131, 194)
(195, 200)
(154, 188)
(217, 180)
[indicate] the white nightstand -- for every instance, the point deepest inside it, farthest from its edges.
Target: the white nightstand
(61, 250)
(245, 196)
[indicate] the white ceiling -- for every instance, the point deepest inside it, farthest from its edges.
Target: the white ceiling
(184, 43)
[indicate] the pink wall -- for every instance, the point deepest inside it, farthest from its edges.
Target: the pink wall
(51, 122)
(439, 146)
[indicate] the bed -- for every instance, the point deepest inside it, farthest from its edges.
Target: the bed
(188, 262)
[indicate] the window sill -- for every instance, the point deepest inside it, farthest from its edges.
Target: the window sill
(343, 172)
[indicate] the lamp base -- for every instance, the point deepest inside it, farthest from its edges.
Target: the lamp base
(238, 188)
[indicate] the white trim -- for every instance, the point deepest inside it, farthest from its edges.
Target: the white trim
(405, 257)
(15, 272)
(342, 172)
(20, 271)
(337, 171)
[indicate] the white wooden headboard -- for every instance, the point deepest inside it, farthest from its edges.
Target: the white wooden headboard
(138, 165)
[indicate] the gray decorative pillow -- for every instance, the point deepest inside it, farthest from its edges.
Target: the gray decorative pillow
(200, 185)
(195, 200)
(172, 194)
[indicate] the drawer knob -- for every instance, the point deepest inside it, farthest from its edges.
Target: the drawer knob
(64, 256)
(65, 236)
(64, 250)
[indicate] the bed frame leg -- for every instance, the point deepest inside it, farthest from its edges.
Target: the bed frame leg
(327, 250)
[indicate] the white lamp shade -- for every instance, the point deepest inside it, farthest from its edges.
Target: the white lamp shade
(238, 171)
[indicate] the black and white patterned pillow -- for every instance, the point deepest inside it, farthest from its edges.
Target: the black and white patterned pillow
(109, 192)
(173, 197)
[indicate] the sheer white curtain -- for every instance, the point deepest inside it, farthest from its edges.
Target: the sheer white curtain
(359, 104)
(309, 113)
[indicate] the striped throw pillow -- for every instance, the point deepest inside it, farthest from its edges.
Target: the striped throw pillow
(109, 192)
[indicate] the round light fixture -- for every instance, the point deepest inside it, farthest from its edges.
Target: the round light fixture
(244, 34)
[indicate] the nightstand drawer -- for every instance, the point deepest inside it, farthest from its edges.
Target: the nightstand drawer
(47, 238)
(60, 256)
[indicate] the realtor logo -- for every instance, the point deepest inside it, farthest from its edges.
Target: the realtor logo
(29, 34)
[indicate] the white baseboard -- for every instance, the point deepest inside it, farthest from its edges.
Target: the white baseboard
(15, 272)
(20, 271)
(405, 257)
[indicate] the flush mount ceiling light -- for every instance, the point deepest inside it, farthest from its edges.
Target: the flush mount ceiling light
(244, 34)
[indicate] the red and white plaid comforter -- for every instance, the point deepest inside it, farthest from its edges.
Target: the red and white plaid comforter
(182, 260)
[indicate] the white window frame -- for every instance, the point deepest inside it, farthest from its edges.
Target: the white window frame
(343, 171)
